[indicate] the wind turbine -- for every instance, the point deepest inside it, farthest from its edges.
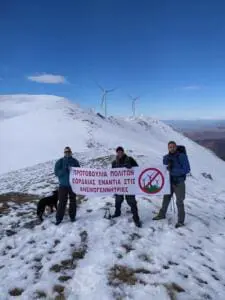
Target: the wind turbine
(103, 100)
(134, 99)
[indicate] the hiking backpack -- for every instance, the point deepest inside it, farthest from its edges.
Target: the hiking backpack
(181, 149)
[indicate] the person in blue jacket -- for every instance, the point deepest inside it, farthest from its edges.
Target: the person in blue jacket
(62, 171)
(178, 165)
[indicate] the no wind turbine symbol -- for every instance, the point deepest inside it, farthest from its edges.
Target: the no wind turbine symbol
(151, 181)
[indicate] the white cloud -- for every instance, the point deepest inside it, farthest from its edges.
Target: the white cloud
(192, 87)
(48, 78)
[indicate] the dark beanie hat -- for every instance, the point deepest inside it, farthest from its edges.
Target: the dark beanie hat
(119, 149)
(67, 149)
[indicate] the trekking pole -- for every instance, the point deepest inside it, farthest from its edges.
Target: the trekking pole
(173, 206)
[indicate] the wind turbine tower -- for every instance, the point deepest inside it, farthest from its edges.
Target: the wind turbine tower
(134, 99)
(103, 99)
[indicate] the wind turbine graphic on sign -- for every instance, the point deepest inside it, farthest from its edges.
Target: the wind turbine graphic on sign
(151, 181)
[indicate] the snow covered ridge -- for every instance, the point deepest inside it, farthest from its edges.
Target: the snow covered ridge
(36, 128)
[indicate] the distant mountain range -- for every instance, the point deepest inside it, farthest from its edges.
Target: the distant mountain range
(212, 140)
(207, 133)
(197, 125)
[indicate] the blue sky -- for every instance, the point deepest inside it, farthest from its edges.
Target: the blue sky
(170, 53)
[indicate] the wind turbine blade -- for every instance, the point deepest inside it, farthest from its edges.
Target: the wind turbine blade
(101, 88)
(112, 90)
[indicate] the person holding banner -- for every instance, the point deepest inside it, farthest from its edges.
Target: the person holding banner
(124, 161)
(178, 166)
(62, 171)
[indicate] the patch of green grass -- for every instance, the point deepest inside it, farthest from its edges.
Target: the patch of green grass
(78, 253)
(40, 294)
(16, 292)
(56, 268)
(60, 297)
(172, 289)
(121, 274)
(67, 263)
(17, 198)
(64, 278)
(4, 208)
(58, 288)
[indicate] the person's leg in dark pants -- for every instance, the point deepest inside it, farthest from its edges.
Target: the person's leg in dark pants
(131, 201)
(163, 210)
(63, 194)
(179, 191)
(165, 204)
(118, 203)
(72, 205)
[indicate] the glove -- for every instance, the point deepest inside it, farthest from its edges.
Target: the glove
(170, 165)
(128, 167)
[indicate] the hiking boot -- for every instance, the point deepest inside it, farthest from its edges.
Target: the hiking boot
(58, 222)
(73, 220)
(138, 224)
(116, 214)
(158, 217)
(179, 224)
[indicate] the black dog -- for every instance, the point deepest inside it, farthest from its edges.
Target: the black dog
(50, 201)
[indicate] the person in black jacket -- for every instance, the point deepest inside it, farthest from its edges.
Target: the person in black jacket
(121, 161)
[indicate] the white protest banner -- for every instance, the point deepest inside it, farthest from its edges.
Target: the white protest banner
(135, 181)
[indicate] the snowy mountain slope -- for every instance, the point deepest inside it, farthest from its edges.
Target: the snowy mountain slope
(96, 258)
(35, 129)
